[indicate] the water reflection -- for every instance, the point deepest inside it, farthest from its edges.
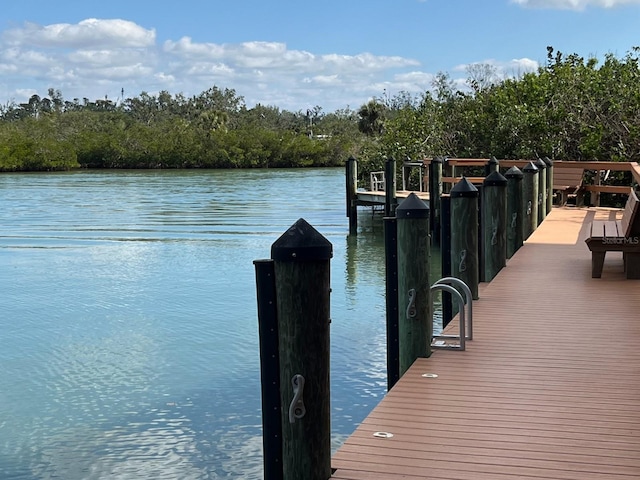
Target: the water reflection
(129, 345)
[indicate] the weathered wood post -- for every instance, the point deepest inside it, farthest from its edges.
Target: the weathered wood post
(494, 224)
(435, 194)
(514, 210)
(542, 189)
(352, 199)
(549, 171)
(415, 320)
(269, 370)
(390, 199)
(491, 166)
(530, 200)
(391, 294)
(301, 259)
(464, 234)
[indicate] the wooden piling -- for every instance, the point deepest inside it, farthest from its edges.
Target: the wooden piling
(542, 189)
(435, 194)
(494, 229)
(514, 210)
(415, 320)
(391, 297)
(269, 370)
(549, 172)
(445, 256)
(390, 199)
(351, 176)
(301, 265)
(492, 165)
(530, 200)
(464, 234)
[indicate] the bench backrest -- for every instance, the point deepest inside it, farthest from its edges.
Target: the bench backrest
(567, 177)
(631, 217)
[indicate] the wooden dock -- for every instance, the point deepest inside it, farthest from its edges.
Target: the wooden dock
(549, 388)
(377, 198)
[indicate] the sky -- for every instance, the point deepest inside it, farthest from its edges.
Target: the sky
(291, 54)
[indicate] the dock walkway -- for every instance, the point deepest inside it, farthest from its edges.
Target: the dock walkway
(549, 388)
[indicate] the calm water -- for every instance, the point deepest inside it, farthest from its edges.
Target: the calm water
(129, 345)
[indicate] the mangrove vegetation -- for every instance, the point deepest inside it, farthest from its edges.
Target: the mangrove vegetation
(571, 108)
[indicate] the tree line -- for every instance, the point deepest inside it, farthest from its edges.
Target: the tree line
(571, 108)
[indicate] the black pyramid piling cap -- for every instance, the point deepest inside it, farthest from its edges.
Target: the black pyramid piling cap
(548, 161)
(464, 188)
(493, 161)
(301, 242)
(412, 207)
(541, 164)
(514, 172)
(495, 179)
(530, 167)
(437, 160)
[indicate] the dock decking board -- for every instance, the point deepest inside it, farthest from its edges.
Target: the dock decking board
(549, 388)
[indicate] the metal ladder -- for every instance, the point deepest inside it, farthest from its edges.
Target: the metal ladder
(465, 318)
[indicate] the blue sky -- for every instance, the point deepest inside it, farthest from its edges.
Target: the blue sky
(291, 54)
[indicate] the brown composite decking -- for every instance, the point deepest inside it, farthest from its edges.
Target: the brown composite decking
(549, 388)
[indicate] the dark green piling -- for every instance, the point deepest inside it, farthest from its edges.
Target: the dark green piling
(391, 294)
(445, 256)
(351, 176)
(415, 321)
(435, 194)
(542, 189)
(514, 210)
(390, 199)
(464, 234)
(301, 266)
(530, 200)
(494, 220)
(549, 171)
(492, 165)
(269, 370)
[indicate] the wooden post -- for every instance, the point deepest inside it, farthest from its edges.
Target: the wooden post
(450, 170)
(415, 320)
(302, 264)
(352, 199)
(542, 189)
(530, 200)
(390, 199)
(492, 166)
(391, 290)
(269, 370)
(494, 228)
(549, 171)
(464, 234)
(435, 194)
(598, 181)
(445, 256)
(514, 210)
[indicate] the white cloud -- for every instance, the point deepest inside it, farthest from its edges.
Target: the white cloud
(94, 58)
(574, 4)
(88, 33)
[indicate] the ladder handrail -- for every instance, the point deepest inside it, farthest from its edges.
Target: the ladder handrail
(462, 336)
(468, 300)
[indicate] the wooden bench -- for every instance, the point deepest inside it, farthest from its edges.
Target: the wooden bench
(617, 236)
(568, 183)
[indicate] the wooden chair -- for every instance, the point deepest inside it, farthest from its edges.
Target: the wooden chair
(567, 182)
(617, 236)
